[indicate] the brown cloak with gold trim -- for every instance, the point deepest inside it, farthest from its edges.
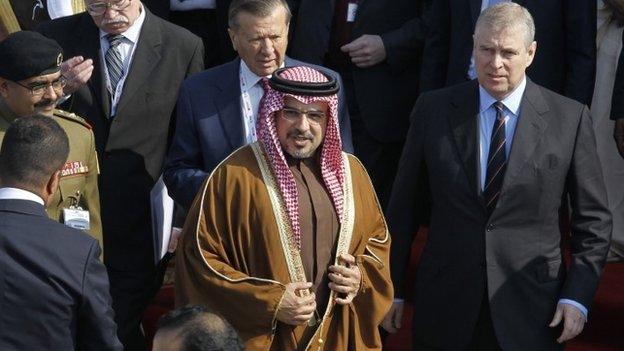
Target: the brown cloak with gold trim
(236, 257)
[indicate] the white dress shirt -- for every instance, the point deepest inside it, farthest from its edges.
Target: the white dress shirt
(126, 47)
(251, 94)
(19, 194)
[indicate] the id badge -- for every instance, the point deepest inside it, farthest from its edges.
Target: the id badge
(351, 11)
(76, 218)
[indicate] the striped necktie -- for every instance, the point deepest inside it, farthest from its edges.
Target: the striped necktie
(497, 161)
(113, 61)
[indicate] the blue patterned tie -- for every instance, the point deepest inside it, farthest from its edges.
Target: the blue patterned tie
(497, 160)
(113, 60)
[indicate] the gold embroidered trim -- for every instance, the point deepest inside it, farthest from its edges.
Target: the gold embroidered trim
(344, 243)
(201, 210)
(7, 17)
(291, 253)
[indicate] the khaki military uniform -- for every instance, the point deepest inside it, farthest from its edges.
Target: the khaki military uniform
(79, 176)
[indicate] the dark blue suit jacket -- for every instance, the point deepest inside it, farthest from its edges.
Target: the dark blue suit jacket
(210, 126)
(54, 292)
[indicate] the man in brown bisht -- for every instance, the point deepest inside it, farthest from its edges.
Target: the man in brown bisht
(286, 238)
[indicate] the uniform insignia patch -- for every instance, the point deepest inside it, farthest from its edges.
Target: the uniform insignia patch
(74, 167)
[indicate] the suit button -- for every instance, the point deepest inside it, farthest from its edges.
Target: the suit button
(489, 227)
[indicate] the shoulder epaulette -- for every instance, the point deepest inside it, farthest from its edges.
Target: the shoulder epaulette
(72, 117)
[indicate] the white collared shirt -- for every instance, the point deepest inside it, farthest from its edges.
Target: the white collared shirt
(19, 194)
(487, 119)
(251, 94)
(186, 5)
(127, 48)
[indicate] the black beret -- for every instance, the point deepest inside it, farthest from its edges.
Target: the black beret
(27, 54)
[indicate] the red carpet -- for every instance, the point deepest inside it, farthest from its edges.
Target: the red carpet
(603, 332)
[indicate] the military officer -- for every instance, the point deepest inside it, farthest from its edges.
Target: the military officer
(31, 83)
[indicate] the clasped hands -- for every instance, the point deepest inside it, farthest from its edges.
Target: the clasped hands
(297, 308)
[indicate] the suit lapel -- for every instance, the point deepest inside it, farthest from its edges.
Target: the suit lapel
(89, 42)
(529, 131)
(463, 120)
(229, 106)
(146, 57)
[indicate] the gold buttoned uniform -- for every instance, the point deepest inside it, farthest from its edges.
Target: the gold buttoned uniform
(78, 181)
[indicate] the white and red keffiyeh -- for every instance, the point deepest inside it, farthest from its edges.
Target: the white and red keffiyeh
(330, 160)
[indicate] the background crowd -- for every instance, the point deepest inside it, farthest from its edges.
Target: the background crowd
(159, 92)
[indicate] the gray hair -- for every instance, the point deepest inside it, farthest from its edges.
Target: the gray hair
(505, 15)
(257, 8)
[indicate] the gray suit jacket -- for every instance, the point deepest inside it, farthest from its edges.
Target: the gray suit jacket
(132, 146)
(514, 256)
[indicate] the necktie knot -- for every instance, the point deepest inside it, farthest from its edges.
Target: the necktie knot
(264, 83)
(114, 39)
(499, 106)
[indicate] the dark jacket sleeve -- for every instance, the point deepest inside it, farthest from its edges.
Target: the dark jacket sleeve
(96, 328)
(404, 45)
(580, 49)
(437, 47)
(617, 100)
(184, 173)
(591, 222)
(408, 197)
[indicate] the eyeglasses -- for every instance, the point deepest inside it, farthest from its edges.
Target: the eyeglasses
(98, 8)
(293, 115)
(39, 89)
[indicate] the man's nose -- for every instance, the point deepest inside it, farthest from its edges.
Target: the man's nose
(267, 47)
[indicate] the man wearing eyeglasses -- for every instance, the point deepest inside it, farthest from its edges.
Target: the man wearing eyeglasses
(124, 71)
(31, 83)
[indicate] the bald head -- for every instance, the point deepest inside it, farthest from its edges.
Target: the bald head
(193, 328)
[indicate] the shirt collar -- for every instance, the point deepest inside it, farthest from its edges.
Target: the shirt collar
(251, 78)
(132, 33)
(511, 102)
(8, 193)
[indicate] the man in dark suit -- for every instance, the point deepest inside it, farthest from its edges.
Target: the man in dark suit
(136, 63)
(376, 46)
(565, 29)
(217, 109)
(53, 288)
(491, 158)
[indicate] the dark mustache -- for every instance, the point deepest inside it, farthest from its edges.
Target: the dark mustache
(296, 134)
(45, 103)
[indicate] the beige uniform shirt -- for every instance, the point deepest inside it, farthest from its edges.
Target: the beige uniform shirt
(78, 182)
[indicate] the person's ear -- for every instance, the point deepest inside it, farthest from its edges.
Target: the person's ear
(51, 186)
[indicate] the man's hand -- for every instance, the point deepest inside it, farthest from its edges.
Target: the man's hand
(345, 279)
(366, 51)
(573, 321)
(618, 134)
(77, 71)
(392, 320)
(295, 309)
